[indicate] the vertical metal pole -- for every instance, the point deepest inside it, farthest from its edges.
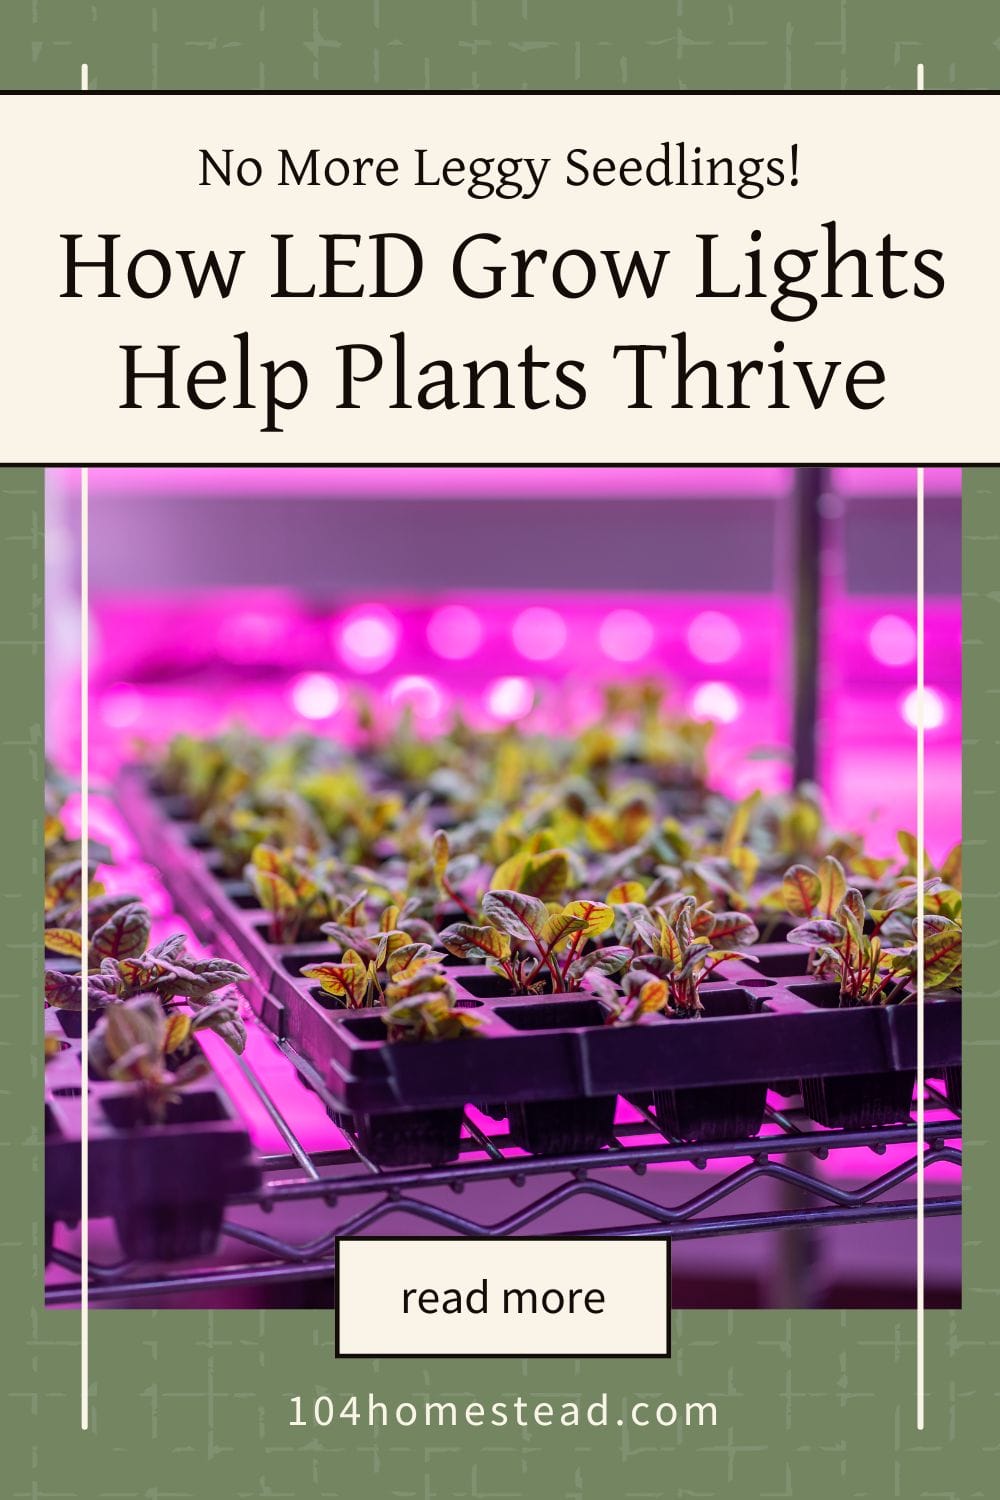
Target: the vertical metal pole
(810, 485)
(796, 1262)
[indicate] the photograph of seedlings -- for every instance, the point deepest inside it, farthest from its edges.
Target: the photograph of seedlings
(490, 852)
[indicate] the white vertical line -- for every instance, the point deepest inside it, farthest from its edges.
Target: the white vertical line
(921, 1290)
(84, 923)
(920, 951)
(85, 945)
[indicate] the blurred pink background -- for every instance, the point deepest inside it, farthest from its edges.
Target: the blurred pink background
(268, 594)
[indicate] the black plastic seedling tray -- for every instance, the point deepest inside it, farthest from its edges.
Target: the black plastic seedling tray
(543, 1055)
(165, 1183)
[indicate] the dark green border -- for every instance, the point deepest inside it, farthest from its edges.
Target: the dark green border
(193, 1405)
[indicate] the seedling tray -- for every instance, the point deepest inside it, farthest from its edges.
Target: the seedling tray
(763, 1021)
(165, 1183)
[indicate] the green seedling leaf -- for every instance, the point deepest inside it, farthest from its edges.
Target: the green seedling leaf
(63, 940)
(636, 925)
(801, 890)
(545, 875)
(223, 1017)
(177, 1032)
(520, 916)
(734, 928)
(695, 956)
(596, 916)
(906, 895)
(430, 1018)
(353, 913)
(65, 991)
(349, 937)
(942, 954)
(123, 935)
(463, 940)
(387, 943)
(200, 977)
(646, 994)
(65, 885)
(272, 890)
(559, 927)
(846, 915)
(333, 978)
(626, 892)
(669, 944)
(426, 982)
(832, 886)
(99, 910)
(128, 1041)
(349, 980)
(441, 853)
(816, 934)
(601, 960)
(739, 823)
(719, 955)
(170, 948)
(409, 962)
(651, 996)
(854, 903)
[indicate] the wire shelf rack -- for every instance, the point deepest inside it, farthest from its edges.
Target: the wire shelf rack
(354, 1197)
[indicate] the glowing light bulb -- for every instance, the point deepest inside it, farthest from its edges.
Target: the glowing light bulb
(369, 638)
(893, 641)
(935, 709)
(713, 636)
(419, 693)
(539, 633)
(510, 698)
(315, 695)
(625, 635)
(121, 706)
(716, 700)
(454, 632)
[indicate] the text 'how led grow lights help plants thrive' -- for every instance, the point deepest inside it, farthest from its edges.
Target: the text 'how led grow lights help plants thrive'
(266, 312)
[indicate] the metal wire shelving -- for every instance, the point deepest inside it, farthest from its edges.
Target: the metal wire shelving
(355, 1197)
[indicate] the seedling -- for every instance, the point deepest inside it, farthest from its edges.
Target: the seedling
(835, 933)
(643, 994)
(352, 980)
(281, 819)
(449, 873)
(361, 980)
(892, 903)
(137, 1042)
(430, 1017)
(124, 934)
(300, 890)
(524, 940)
(354, 817)
(397, 927)
(169, 973)
(683, 944)
(942, 952)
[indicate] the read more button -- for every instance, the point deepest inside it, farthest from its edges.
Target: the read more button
(427, 1297)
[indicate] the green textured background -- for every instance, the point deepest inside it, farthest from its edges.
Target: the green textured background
(193, 1406)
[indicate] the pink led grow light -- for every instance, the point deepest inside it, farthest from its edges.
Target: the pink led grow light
(158, 667)
(591, 483)
(281, 660)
